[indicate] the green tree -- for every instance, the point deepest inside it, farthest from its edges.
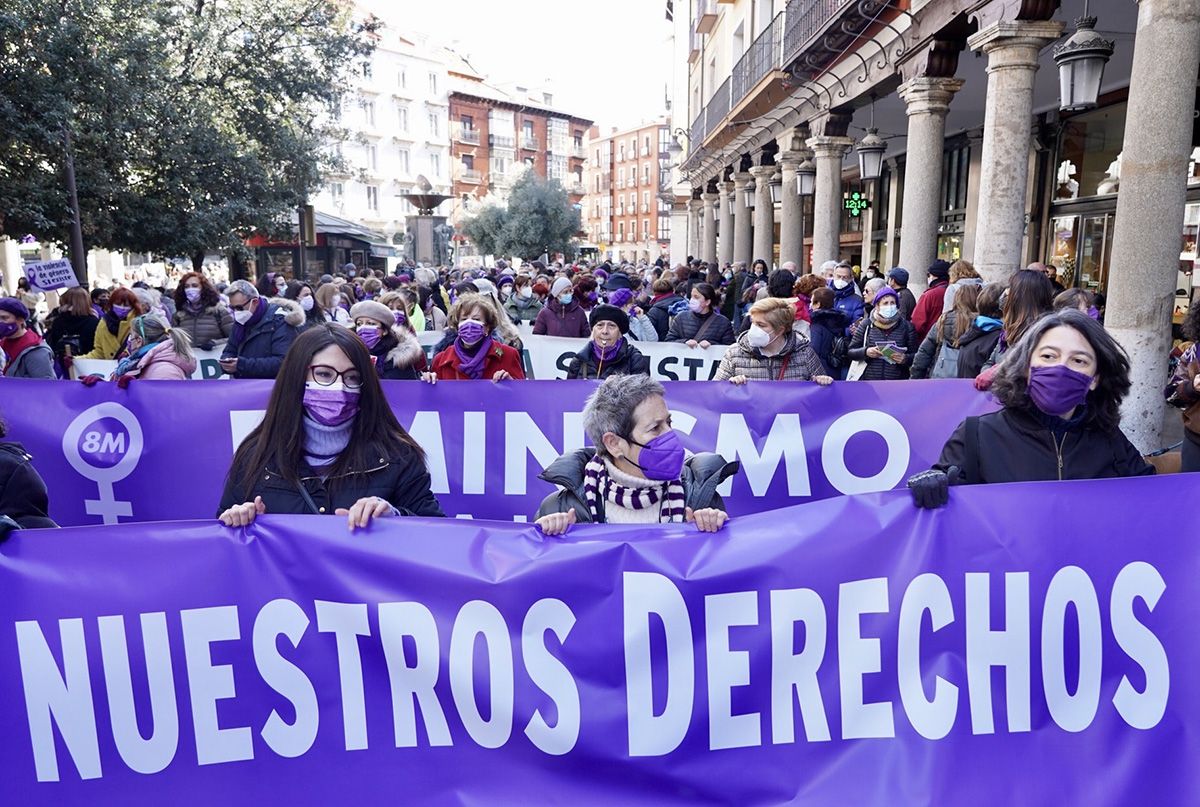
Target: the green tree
(539, 218)
(194, 122)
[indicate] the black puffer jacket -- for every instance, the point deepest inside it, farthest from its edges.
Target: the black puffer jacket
(629, 361)
(903, 335)
(262, 346)
(660, 315)
(22, 492)
(974, 348)
(1015, 445)
(688, 325)
(401, 480)
(702, 474)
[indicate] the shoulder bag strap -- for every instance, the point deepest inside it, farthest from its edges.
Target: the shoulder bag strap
(783, 369)
(308, 499)
(699, 337)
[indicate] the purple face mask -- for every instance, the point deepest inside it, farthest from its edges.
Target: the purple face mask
(330, 406)
(400, 317)
(1094, 313)
(121, 311)
(1058, 389)
(370, 336)
(470, 332)
(661, 458)
(7, 329)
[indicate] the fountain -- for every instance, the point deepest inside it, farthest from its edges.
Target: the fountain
(427, 236)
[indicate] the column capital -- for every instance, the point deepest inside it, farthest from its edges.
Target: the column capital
(925, 95)
(762, 174)
(695, 205)
(829, 146)
(1018, 40)
(744, 180)
(709, 198)
(727, 187)
(790, 160)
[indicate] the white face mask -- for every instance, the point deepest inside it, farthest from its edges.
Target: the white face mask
(242, 317)
(336, 301)
(758, 337)
(526, 292)
(840, 283)
(306, 303)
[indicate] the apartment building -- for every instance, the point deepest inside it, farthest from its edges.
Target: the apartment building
(627, 207)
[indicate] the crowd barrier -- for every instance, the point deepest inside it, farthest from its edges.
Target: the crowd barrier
(160, 450)
(1011, 648)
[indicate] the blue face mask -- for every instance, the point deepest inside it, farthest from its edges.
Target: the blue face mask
(565, 299)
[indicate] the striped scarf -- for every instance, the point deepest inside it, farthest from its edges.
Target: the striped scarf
(597, 485)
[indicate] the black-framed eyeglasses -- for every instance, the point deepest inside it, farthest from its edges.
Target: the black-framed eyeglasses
(243, 307)
(325, 375)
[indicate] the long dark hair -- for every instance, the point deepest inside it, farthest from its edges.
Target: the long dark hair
(312, 316)
(278, 442)
(1011, 386)
(208, 293)
(1030, 294)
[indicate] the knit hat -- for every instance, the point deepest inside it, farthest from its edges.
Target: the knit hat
(620, 298)
(503, 279)
(559, 286)
(886, 292)
(617, 280)
(610, 313)
(15, 307)
(940, 269)
(900, 275)
(373, 310)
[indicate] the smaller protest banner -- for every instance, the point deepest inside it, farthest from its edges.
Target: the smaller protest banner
(51, 275)
(208, 365)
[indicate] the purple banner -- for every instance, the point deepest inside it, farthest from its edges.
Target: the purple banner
(1027, 644)
(160, 451)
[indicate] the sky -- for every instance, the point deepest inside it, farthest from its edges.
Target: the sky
(608, 61)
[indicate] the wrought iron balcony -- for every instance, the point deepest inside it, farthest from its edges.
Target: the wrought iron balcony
(529, 142)
(706, 16)
(463, 134)
(764, 55)
(805, 19)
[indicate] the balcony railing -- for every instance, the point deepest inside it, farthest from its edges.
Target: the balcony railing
(462, 134)
(576, 188)
(764, 55)
(502, 141)
(529, 143)
(718, 107)
(470, 175)
(577, 151)
(804, 20)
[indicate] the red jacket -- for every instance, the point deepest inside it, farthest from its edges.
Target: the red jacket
(929, 308)
(500, 357)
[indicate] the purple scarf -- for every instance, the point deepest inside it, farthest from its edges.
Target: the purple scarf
(472, 366)
(239, 330)
(608, 354)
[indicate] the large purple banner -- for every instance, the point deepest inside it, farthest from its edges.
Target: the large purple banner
(160, 451)
(1027, 644)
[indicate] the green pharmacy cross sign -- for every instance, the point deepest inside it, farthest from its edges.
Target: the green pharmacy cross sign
(856, 203)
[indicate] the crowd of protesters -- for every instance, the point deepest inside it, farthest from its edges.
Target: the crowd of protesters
(328, 341)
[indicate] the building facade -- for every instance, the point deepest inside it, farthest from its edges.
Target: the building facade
(980, 159)
(628, 179)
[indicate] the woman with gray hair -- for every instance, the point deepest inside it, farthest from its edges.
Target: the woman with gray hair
(638, 472)
(1061, 388)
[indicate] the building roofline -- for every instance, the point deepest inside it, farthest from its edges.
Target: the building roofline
(519, 106)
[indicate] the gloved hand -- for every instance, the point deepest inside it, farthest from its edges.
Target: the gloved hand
(91, 380)
(123, 381)
(931, 489)
(983, 381)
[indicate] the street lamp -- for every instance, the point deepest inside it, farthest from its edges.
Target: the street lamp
(717, 208)
(1081, 61)
(870, 155)
(748, 197)
(776, 186)
(806, 178)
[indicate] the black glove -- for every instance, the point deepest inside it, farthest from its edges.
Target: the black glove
(931, 489)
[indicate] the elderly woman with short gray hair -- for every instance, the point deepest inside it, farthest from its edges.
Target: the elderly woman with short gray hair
(638, 472)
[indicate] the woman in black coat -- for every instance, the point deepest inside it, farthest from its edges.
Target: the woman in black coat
(609, 352)
(701, 325)
(1061, 387)
(883, 328)
(329, 443)
(23, 499)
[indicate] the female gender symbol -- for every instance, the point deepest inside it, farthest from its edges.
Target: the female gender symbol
(106, 506)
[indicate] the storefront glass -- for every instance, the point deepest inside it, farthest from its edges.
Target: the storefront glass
(1089, 154)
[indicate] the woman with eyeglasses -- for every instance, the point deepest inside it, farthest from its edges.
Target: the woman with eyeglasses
(340, 452)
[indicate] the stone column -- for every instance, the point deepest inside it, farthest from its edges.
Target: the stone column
(725, 236)
(827, 201)
(1150, 204)
(1012, 51)
(764, 214)
(927, 100)
(679, 231)
(695, 210)
(791, 212)
(708, 250)
(743, 245)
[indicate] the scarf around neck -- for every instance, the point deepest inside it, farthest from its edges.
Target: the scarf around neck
(607, 354)
(471, 364)
(599, 485)
(129, 362)
(239, 330)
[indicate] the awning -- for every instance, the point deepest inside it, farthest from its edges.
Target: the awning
(383, 251)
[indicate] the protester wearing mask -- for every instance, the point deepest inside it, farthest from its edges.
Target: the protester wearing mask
(827, 333)
(897, 279)
(929, 307)
(330, 298)
(1061, 388)
(1028, 298)
(114, 325)
(980, 338)
(562, 316)
(395, 351)
(771, 350)
(404, 308)
(429, 303)
(262, 333)
(99, 302)
(302, 295)
(882, 345)
(328, 443)
(845, 293)
(504, 287)
(1183, 392)
(1079, 299)
(26, 354)
(24, 501)
(523, 304)
(157, 352)
(73, 331)
(701, 325)
(587, 293)
(641, 329)
(199, 311)
(609, 352)
(663, 302)
(475, 354)
(638, 472)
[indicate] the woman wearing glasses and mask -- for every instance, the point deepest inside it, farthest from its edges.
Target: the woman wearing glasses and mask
(328, 444)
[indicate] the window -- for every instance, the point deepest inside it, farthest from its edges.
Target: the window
(373, 197)
(435, 164)
(646, 174)
(632, 202)
(645, 201)
(367, 69)
(664, 139)
(622, 153)
(434, 127)
(527, 128)
(468, 123)
(645, 229)
(402, 159)
(620, 230)
(578, 139)
(338, 191)
(664, 228)
(402, 78)
(402, 118)
(433, 83)
(468, 162)
(369, 112)
(528, 162)
(372, 157)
